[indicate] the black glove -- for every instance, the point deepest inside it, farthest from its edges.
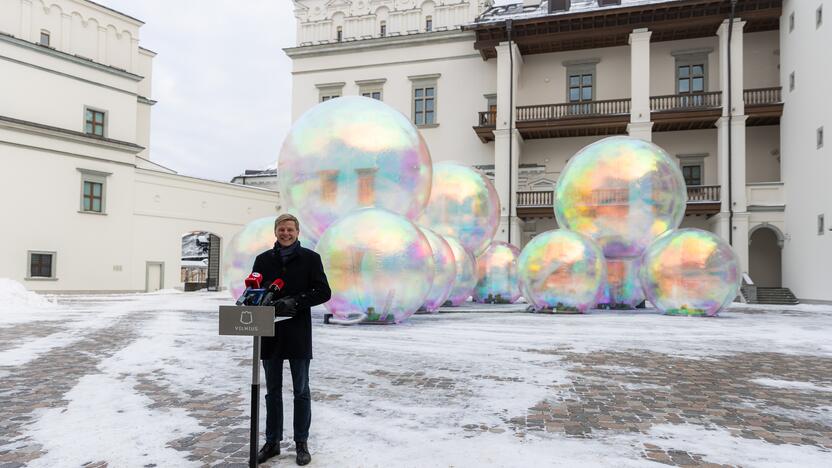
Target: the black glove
(286, 307)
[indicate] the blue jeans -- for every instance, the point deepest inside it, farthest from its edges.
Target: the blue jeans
(274, 399)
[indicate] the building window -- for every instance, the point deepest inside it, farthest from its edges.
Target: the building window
(692, 174)
(580, 84)
(819, 137)
(424, 99)
(371, 88)
(690, 78)
(339, 33)
(791, 22)
(44, 38)
(383, 29)
(580, 87)
(41, 265)
(424, 105)
(329, 185)
(429, 23)
(366, 186)
(821, 225)
(791, 81)
(819, 16)
(327, 91)
(93, 191)
(94, 122)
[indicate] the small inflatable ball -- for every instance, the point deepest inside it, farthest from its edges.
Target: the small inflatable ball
(622, 286)
(463, 204)
(497, 281)
(444, 275)
(379, 266)
(622, 192)
(239, 253)
(690, 272)
(562, 271)
(349, 153)
(466, 277)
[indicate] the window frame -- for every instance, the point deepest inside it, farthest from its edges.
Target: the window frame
(819, 16)
(371, 86)
(425, 82)
(791, 21)
(428, 23)
(382, 28)
(327, 91)
(693, 160)
(691, 58)
(104, 122)
(48, 35)
(821, 225)
(339, 34)
(95, 177)
(791, 82)
(819, 137)
(53, 265)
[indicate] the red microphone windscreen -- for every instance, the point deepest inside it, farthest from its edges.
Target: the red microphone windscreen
(253, 280)
(279, 283)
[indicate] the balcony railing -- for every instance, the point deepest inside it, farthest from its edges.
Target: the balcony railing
(573, 109)
(488, 119)
(696, 194)
(762, 96)
(535, 199)
(703, 193)
(689, 101)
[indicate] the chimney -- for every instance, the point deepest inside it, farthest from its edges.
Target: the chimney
(603, 3)
(558, 5)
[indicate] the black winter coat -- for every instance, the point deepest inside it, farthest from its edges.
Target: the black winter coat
(305, 280)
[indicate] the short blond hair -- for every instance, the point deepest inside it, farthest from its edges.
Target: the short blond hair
(286, 217)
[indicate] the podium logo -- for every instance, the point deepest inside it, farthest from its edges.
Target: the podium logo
(246, 318)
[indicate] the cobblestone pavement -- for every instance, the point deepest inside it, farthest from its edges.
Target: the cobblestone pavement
(609, 392)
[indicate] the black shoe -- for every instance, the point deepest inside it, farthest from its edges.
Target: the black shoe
(269, 450)
(303, 457)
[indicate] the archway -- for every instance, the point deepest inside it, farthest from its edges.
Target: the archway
(200, 267)
(765, 243)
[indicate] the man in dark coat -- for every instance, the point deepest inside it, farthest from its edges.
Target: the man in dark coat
(305, 285)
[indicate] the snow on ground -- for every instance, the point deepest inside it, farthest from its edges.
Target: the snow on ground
(392, 395)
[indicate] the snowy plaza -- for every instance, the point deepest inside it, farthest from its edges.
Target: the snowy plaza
(145, 380)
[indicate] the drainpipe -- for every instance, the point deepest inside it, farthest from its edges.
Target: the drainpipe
(510, 123)
(730, 130)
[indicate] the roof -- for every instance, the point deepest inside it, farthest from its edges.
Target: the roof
(518, 11)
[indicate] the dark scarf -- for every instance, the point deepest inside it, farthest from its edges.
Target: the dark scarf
(287, 253)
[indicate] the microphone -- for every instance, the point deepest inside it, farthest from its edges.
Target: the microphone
(274, 288)
(252, 282)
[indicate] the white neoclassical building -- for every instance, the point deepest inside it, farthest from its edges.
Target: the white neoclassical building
(517, 89)
(84, 206)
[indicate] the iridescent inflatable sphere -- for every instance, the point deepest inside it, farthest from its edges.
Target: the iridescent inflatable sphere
(466, 274)
(622, 286)
(497, 281)
(463, 204)
(562, 271)
(444, 275)
(622, 192)
(239, 253)
(349, 153)
(379, 266)
(690, 272)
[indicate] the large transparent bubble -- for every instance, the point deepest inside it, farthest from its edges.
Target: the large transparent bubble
(307, 237)
(463, 204)
(562, 271)
(239, 253)
(622, 192)
(349, 153)
(444, 275)
(497, 281)
(379, 266)
(690, 272)
(466, 272)
(622, 287)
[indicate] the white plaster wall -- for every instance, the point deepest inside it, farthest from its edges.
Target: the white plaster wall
(806, 169)
(464, 79)
(761, 59)
(762, 154)
(543, 76)
(693, 142)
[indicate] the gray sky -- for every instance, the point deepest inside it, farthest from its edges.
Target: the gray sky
(222, 81)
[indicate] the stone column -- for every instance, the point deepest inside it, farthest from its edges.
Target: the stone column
(739, 225)
(640, 125)
(505, 139)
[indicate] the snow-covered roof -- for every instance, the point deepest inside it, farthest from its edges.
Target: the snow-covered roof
(517, 11)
